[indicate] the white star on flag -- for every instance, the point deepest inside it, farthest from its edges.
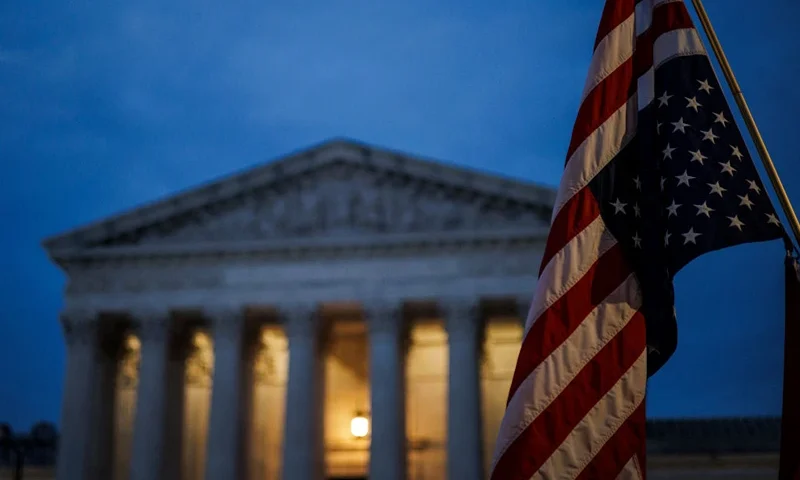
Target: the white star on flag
(664, 99)
(684, 179)
(705, 86)
(727, 168)
(709, 135)
(693, 103)
(619, 207)
(735, 222)
(698, 156)
(704, 209)
(673, 209)
(690, 236)
(680, 126)
(668, 152)
(716, 188)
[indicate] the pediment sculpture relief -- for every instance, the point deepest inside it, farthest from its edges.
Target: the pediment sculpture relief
(343, 200)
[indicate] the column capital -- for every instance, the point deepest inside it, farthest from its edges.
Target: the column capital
(151, 323)
(461, 306)
(461, 315)
(227, 321)
(81, 327)
(384, 317)
(300, 319)
(148, 312)
(216, 313)
(73, 315)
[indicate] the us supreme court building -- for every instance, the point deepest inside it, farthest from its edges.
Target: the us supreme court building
(342, 312)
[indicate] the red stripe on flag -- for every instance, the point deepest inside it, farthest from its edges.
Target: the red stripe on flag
(614, 13)
(549, 430)
(558, 322)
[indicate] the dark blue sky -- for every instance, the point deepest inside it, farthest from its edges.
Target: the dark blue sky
(107, 105)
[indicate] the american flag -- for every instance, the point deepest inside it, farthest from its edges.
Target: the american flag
(657, 173)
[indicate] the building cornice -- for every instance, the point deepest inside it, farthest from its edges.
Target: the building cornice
(295, 249)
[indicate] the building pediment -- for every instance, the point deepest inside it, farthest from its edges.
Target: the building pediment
(333, 192)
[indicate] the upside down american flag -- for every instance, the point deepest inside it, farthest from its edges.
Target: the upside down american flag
(657, 174)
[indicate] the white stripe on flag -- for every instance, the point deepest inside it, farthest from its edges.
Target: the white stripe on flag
(646, 88)
(677, 43)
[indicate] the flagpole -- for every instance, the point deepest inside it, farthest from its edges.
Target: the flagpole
(748, 119)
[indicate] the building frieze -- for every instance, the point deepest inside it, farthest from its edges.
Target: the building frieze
(177, 275)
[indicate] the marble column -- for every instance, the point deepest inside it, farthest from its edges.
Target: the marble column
(176, 399)
(387, 341)
(230, 395)
(149, 427)
(303, 436)
(464, 429)
(81, 333)
(104, 397)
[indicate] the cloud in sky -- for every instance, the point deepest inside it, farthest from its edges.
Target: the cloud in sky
(105, 106)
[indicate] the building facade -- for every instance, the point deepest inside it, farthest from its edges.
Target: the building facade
(340, 312)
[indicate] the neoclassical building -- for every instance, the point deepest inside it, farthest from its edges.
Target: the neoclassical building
(236, 330)
(341, 312)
